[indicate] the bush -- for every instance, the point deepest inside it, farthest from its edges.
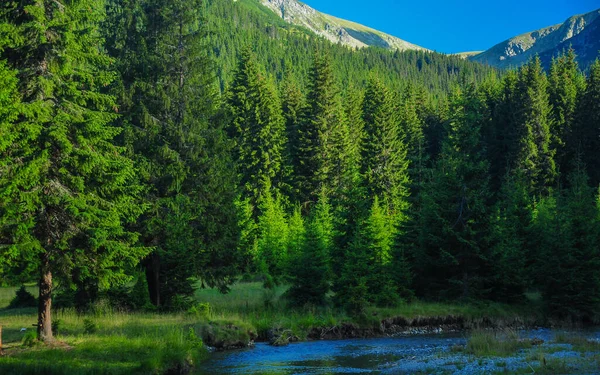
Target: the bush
(56, 326)
(200, 310)
(22, 299)
(30, 338)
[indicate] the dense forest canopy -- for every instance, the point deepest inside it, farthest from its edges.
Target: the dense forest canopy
(211, 141)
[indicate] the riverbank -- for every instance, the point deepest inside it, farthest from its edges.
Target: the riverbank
(109, 341)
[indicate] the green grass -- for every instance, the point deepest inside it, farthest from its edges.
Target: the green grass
(141, 343)
(579, 343)
(495, 343)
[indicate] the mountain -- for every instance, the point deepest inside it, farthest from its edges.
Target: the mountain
(582, 32)
(335, 29)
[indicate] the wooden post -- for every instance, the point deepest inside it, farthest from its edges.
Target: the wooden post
(1, 340)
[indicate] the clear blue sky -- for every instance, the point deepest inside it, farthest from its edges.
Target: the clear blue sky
(455, 26)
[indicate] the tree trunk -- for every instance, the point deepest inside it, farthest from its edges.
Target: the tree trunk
(153, 278)
(44, 328)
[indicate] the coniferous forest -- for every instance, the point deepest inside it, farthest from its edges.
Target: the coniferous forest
(191, 143)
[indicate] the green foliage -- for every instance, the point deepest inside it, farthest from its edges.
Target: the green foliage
(567, 228)
(311, 277)
(22, 299)
(30, 339)
(90, 326)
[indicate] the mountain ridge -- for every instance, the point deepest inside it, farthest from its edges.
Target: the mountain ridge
(582, 31)
(335, 29)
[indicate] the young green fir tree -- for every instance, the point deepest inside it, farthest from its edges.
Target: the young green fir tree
(66, 192)
(311, 276)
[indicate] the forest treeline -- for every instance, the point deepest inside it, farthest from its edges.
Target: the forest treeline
(362, 178)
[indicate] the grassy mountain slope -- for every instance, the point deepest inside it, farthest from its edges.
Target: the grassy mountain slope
(334, 29)
(581, 31)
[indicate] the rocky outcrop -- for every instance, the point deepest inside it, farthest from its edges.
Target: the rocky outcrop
(546, 43)
(335, 29)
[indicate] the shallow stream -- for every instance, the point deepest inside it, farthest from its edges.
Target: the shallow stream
(432, 354)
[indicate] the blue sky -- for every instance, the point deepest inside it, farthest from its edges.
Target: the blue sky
(455, 26)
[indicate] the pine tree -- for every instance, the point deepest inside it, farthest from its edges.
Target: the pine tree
(384, 161)
(293, 103)
(321, 152)
(587, 134)
(257, 127)
(510, 253)
(535, 157)
(272, 238)
(66, 192)
(567, 225)
(167, 100)
(565, 85)
(450, 259)
(311, 277)
(378, 235)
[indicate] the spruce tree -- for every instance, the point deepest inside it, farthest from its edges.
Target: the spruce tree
(535, 157)
(257, 127)
(66, 192)
(167, 101)
(321, 152)
(311, 276)
(450, 259)
(587, 134)
(567, 226)
(565, 85)
(510, 254)
(384, 159)
(272, 238)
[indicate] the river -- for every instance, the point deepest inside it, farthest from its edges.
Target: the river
(431, 354)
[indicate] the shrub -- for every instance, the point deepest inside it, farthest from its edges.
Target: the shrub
(200, 310)
(56, 326)
(22, 299)
(30, 338)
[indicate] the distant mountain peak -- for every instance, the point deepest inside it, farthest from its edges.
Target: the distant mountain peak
(335, 29)
(580, 31)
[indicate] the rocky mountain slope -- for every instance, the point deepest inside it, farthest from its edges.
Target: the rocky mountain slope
(582, 32)
(335, 29)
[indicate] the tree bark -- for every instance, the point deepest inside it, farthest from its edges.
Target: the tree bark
(153, 278)
(44, 328)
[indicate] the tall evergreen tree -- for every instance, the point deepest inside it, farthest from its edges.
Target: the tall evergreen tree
(535, 157)
(167, 100)
(568, 232)
(565, 85)
(66, 192)
(450, 260)
(587, 133)
(321, 152)
(384, 161)
(258, 129)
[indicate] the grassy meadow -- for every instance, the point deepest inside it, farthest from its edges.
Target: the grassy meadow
(107, 341)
